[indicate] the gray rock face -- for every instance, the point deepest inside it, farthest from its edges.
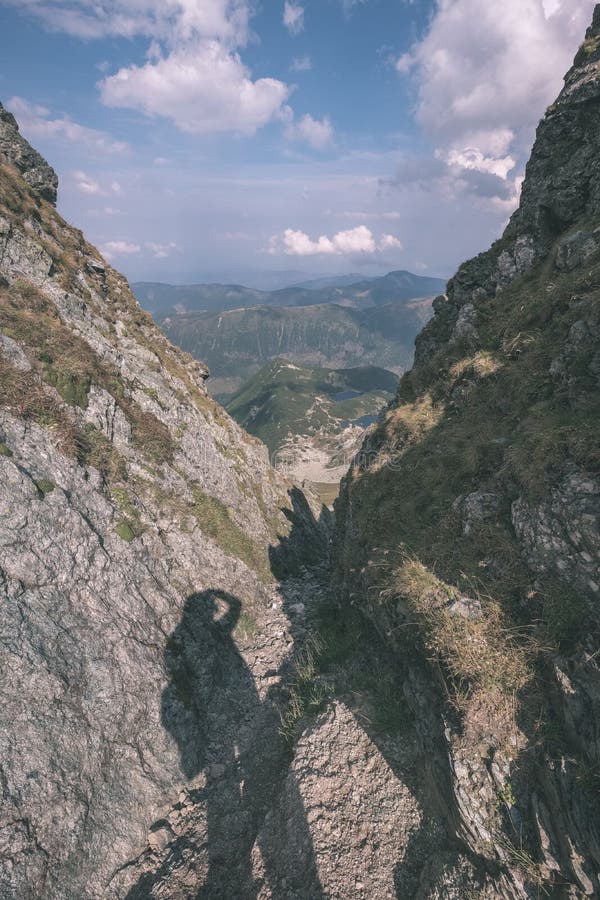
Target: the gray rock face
(21, 255)
(33, 167)
(561, 188)
(561, 535)
(136, 521)
(149, 653)
(475, 506)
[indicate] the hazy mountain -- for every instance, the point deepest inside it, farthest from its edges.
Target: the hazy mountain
(236, 343)
(164, 299)
(331, 281)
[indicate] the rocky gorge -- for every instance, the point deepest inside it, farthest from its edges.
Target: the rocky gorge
(211, 686)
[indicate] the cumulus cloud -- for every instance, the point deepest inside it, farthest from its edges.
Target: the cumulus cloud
(485, 72)
(318, 133)
(485, 66)
(293, 17)
(170, 20)
(88, 185)
(113, 249)
(85, 184)
(203, 88)
(193, 74)
(354, 242)
(451, 176)
(37, 122)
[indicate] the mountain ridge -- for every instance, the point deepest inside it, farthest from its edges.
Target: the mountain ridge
(469, 522)
(236, 343)
(359, 293)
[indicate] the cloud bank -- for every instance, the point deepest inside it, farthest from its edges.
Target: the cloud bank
(484, 74)
(355, 241)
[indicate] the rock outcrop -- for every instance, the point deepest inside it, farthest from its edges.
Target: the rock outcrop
(560, 192)
(469, 525)
(136, 525)
(32, 166)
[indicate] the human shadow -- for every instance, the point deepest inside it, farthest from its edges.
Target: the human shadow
(231, 752)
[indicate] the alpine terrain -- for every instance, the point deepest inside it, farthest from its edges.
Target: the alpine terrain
(312, 420)
(213, 687)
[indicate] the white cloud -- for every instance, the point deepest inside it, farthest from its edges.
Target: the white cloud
(355, 241)
(85, 184)
(301, 64)
(160, 251)
(293, 17)
(485, 73)
(204, 88)
(390, 242)
(178, 20)
(119, 248)
(473, 158)
(490, 66)
(316, 132)
(192, 74)
(36, 122)
(88, 185)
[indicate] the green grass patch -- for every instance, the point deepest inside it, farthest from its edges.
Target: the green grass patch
(44, 486)
(126, 531)
(215, 519)
(308, 692)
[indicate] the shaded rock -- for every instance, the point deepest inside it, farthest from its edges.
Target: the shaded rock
(561, 534)
(32, 166)
(575, 249)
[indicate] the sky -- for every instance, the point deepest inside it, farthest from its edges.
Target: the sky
(229, 139)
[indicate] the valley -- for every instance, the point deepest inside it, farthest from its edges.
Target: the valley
(312, 420)
(278, 359)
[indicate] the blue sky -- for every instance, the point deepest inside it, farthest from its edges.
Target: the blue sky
(225, 138)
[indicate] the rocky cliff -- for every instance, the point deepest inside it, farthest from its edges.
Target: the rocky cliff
(132, 509)
(188, 708)
(32, 167)
(169, 727)
(469, 526)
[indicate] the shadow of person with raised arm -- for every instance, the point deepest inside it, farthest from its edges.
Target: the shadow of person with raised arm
(208, 706)
(232, 753)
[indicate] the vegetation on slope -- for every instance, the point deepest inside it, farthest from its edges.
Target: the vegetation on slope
(235, 344)
(284, 399)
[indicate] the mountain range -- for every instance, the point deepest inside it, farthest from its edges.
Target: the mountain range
(347, 290)
(236, 343)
